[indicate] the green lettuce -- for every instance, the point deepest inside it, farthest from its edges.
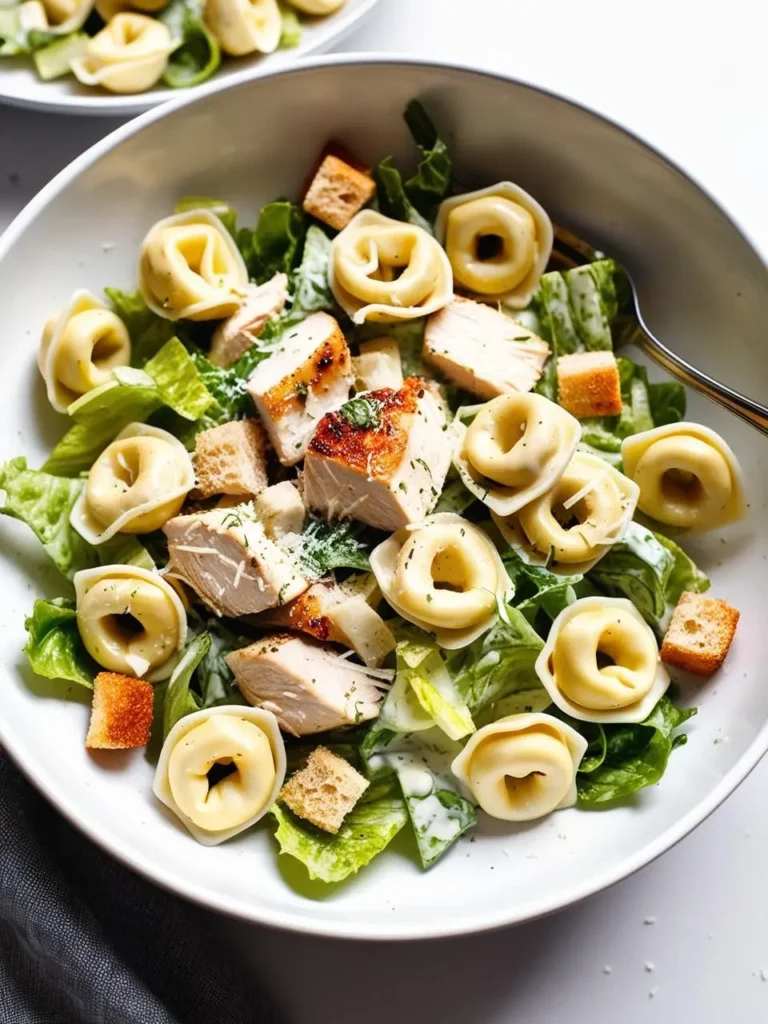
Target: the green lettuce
(311, 291)
(169, 379)
(392, 198)
(409, 337)
(198, 54)
(454, 498)
(539, 590)
(148, 331)
(368, 828)
(628, 758)
(438, 812)
(325, 546)
(180, 700)
(54, 647)
(274, 244)
(290, 31)
(650, 570)
(422, 667)
(226, 213)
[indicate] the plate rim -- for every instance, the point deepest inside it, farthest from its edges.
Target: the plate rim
(295, 920)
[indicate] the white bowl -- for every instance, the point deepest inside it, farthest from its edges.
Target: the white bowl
(21, 86)
(704, 291)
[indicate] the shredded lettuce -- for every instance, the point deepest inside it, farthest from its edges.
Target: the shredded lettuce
(423, 669)
(197, 54)
(650, 570)
(273, 245)
(325, 546)
(368, 828)
(54, 647)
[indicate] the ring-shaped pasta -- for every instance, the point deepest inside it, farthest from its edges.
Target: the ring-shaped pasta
(131, 620)
(445, 576)
(128, 55)
(191, 269)
(244, 26)
(572, 525)
(136, 485)
(514, 449)
(522, 767)
(386, 270)
(57, 17)
(498, 240)
(79, 349)
(601, 662)
(688, 476)
(107, 9)
(247, 739)
(317, 7)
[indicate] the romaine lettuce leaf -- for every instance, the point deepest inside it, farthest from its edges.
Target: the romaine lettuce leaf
(180, 700)
(651, 571)
(325, 546)
(438, 812)
(422, 667)
(432, 180)
(667, 401)
(198, 54)
(290, 32)
(368, 828)
(274, 243)
(627, 758)
(311, 291)
(54, 647)
(392, 198)
(226, 213)
(148, 331)
(539, 590)
(454, 498)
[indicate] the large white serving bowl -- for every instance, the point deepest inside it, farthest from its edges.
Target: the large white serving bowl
(21, 86)
(704, 291)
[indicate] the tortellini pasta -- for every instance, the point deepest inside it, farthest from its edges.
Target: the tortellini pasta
(191, 269)
(444, 575)
(244, 26)
(129, 55)
(514, 448)
(131, 620)
(601, 662)
(57, 17)
(688, 476)
(498, 241)
(220, 770)
(136, 485)
(107, 9)
(571, 526)
(80, 348)
(386, 270)
(522, 767)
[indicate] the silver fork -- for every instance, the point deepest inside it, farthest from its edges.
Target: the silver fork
(571, 250)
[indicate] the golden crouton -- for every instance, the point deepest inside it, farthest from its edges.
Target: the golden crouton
(121, 714)
(325, 790)
(700, 634)
(337, 192)
(588, 384)
(231, 459)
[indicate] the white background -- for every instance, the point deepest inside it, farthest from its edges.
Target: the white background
(687, 938)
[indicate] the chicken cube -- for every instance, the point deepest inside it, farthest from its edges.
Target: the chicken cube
(237, 333)
(280, 510)
(482, 350)
(378, 365)
(310, 373)
(383, 463)
(306, 684)
(231, 459)
(226, 557)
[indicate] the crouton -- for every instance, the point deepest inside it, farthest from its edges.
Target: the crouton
(337, 192)
(325, 790)
(378, 365)
(280, 510)
(231, 459)
(700, 634)
(121, 714)
(588, 384)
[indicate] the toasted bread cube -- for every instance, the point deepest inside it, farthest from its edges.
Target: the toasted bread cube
(280, 509)
(231, 459)
(589, 384)
(121, 713)
(325, 790)
(378, 365)
(337, 192)
(700, 634)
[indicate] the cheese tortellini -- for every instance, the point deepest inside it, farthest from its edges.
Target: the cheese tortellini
(387, 270)
(220, 770)
(136, 485)
(444, 575)
(571, 526)
(522, 767)
(191, 269)
(129, 55)
(56, 17)
(498, 241)
(131, 620)
(80, 348)
(514, 449)
(244, 26)
(688, 476)
(601, 662)
(107, 9)
(317, 7)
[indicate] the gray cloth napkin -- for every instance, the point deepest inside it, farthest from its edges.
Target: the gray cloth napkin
(84, 940)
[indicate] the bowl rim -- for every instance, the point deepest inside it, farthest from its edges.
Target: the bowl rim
(340, 23)
(294, 920)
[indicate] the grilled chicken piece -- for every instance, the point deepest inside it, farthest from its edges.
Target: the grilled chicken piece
(238, 332)
(386, 474)
(225, 556)
(482, 350)
(280, 510)
(378, 366)
(310, 373)
(305, 684)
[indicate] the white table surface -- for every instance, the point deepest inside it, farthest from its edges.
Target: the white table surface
(686, 939)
